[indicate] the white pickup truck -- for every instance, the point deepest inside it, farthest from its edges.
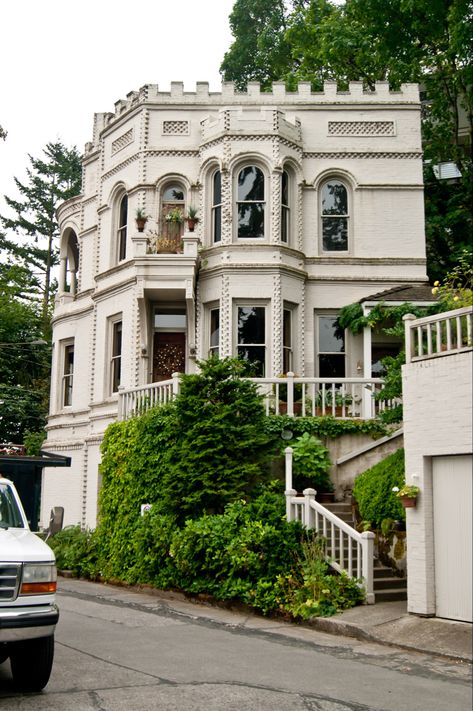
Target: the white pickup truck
(28, 611)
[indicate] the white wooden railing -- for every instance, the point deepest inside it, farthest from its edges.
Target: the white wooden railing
(312, 397)
(306, 397)
(136, 401)
(438, 335)
(346, 549)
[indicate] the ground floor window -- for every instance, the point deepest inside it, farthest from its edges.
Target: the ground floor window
(116, 359)
(68, 374)
(214, 344)
(331, 348)
(251, 336)
(287, 341)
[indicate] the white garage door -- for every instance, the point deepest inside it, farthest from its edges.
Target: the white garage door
(453, 549)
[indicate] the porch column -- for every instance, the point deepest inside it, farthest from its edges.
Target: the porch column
(368, 406)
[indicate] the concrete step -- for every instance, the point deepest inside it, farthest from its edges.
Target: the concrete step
(390, 595)
(391, 583)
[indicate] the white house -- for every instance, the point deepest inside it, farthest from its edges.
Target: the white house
(306, 202)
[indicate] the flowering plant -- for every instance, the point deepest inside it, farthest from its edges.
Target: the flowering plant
(457, 289)
(175, 215)
(408, 490)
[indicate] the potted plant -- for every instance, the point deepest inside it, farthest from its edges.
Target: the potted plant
(175, 215)
(407, 495)
(141, 219)
(192, 218)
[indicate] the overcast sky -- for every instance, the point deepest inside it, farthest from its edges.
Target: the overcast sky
(62, 61)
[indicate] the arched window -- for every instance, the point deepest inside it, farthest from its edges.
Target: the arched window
(285, 208)
(122, 228)
(217, 207)
(72, 263)
(250, 202)
(334, 214)
(173, 213)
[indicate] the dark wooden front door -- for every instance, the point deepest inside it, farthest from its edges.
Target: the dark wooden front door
(169, 355)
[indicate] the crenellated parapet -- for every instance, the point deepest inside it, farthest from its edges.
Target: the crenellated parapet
(229, 96)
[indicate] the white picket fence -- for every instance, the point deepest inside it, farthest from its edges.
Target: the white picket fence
(346, 550)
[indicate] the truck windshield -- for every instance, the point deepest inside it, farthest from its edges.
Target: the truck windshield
(10, 515)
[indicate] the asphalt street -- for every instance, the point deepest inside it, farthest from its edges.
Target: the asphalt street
(118, 649)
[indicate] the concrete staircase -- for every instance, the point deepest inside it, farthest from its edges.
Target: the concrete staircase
(387, 585)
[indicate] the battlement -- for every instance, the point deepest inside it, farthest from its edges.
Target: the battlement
(229, 96)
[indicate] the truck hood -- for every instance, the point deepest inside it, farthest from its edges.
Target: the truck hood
(20, 545)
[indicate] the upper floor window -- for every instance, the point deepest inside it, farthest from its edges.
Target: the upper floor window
(116, 360)
(334, 209)
(173, 213)
(217, 207)
(250, 202)
(122, 227)
(251, 337)
(285, 209)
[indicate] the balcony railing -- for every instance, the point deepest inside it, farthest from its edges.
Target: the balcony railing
(438, 335)
(350, 398)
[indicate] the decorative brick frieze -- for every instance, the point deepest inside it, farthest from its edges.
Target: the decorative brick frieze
(124, 140)
(361, 128)
(411, 155)
(175, 128)
(121, 166)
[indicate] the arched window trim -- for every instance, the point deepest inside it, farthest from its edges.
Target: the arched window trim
(122, 226)
(262, 201)
(216, 206)
(326, 218)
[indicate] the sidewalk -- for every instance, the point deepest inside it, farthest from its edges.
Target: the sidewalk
(385, 623)
(390, 623)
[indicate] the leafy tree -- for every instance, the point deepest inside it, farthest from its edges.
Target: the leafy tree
(50, 181)
(3, 133)
(260, 51)
(24, 370)
(425, 41)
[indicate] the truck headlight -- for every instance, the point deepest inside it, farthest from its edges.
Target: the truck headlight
(38, 579)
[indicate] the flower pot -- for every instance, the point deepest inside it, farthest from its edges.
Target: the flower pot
(140, 223)
(191, 224)
(408, 502)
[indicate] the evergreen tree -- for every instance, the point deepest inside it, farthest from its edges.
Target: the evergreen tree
(220, 449)
(51, 180)
(24, 368)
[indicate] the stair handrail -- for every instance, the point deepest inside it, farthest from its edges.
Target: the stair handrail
(313, 515)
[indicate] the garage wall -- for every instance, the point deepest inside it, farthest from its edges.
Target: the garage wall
(437, 396)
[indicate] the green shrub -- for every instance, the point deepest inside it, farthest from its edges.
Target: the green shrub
(311, 463)
(373, 491)
(76, 550)
(311, 590)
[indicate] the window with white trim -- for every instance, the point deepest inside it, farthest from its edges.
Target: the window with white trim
(334, 216)
(251, 337)
(331, 348)
(214, 339)
(285, 207)
(217, 206)
(287, 341)
(67, 374)
(250, 203)
(116, 356)
(122, 228)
